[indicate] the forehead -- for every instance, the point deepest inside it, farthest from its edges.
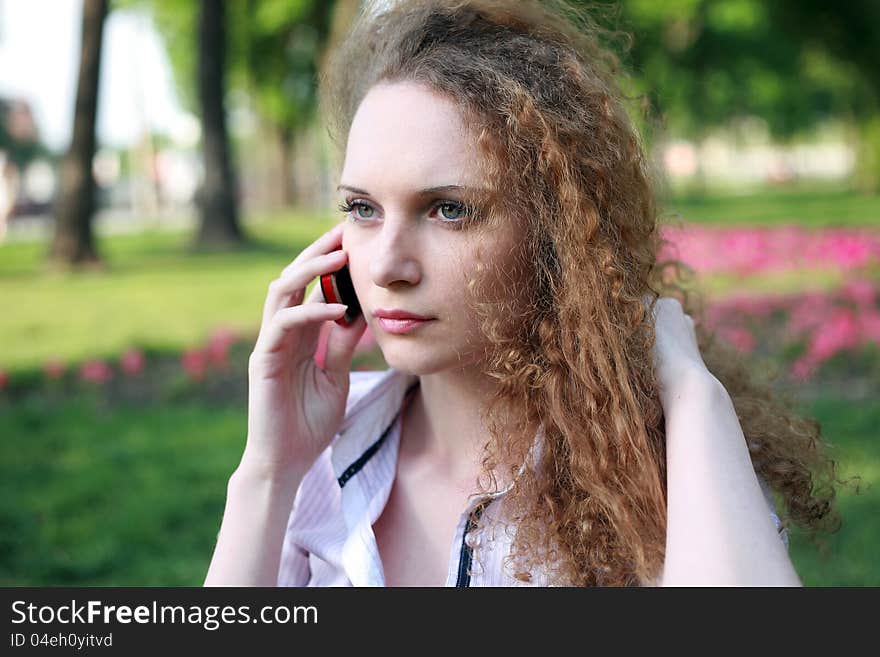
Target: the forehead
(406, 135)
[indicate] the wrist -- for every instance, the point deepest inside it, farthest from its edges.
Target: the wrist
(690, 385)
(252, 469)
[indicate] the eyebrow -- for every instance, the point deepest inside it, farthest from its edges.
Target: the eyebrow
(425, 192)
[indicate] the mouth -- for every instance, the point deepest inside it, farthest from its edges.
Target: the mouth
(400, 326)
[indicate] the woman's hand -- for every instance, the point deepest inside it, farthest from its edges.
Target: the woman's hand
(677, 357)
(294, 406)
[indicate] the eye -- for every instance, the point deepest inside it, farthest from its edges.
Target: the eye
(457, 209)
(363, 210)
(348, 206)
(453, 214)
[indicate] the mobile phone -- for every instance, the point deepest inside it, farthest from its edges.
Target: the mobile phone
(338, 288)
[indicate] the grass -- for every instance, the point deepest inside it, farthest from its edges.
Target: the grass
(814, 206)
(133, 495)
(851, 429)
(157, 296)
(129, 496)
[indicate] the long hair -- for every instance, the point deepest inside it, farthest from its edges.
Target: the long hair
(573, 349)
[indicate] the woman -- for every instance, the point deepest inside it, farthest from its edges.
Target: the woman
(551, 420)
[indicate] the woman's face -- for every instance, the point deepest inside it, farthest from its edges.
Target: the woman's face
(405, 247)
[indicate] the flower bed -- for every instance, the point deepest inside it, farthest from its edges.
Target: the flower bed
(751, 251)
(215, 369)
(806, 333)
(838, 331)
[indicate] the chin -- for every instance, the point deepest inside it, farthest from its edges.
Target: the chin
(422, 361)
(405, 360)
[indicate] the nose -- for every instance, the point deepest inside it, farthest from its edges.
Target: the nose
(395, 253)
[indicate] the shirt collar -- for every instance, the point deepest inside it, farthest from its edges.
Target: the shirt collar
(371, 416)
(368, 420)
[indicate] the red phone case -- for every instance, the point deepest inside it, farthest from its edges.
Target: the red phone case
(338, 288)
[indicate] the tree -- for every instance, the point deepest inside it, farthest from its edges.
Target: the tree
(217, 198)
(73, 241)
(273, 52)
(850, 32)
(280, 45)
(703, 63)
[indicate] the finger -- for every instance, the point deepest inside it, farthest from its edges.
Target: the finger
(305, 319)
(324, 244)
(341, 344)
(316, 295)
(289, 290)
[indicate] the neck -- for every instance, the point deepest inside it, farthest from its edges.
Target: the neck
(444, 433)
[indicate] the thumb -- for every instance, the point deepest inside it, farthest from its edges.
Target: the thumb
(341, 344)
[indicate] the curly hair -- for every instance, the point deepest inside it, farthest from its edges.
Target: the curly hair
(572, 351)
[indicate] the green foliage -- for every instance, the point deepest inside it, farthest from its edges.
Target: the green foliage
(273, 48)
(703, 63)
(280, 42)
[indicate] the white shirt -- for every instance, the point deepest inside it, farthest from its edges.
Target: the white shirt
(329, 539)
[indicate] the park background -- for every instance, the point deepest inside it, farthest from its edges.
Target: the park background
(161, 161)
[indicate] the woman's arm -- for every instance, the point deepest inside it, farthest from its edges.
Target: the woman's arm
(719, 532)
(258, 505)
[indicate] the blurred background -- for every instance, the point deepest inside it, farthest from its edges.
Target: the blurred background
(162, 160)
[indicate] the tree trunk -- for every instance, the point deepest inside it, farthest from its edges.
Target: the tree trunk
(73, 242)
(217, 198)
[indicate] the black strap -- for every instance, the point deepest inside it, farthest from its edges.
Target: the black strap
(465, 555)
(355, 467)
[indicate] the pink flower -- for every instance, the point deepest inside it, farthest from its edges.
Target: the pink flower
(803, 368)
(54, 368)
(839, 331)
(4, 379)
(217, 354)
(194, 362)
(132, 361)
(738, 337)
(861, 291)
(223, 335)
(218, 346)
(755, 250)
(95, 371)
(870, 326)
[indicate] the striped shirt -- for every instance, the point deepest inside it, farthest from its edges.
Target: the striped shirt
(329, 539)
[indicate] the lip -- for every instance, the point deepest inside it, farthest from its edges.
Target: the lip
(396, 313)
(399, 326)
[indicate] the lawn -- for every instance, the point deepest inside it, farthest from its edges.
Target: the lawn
(851, 428)
(133, 494)
(157, 296)
(809, 206)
